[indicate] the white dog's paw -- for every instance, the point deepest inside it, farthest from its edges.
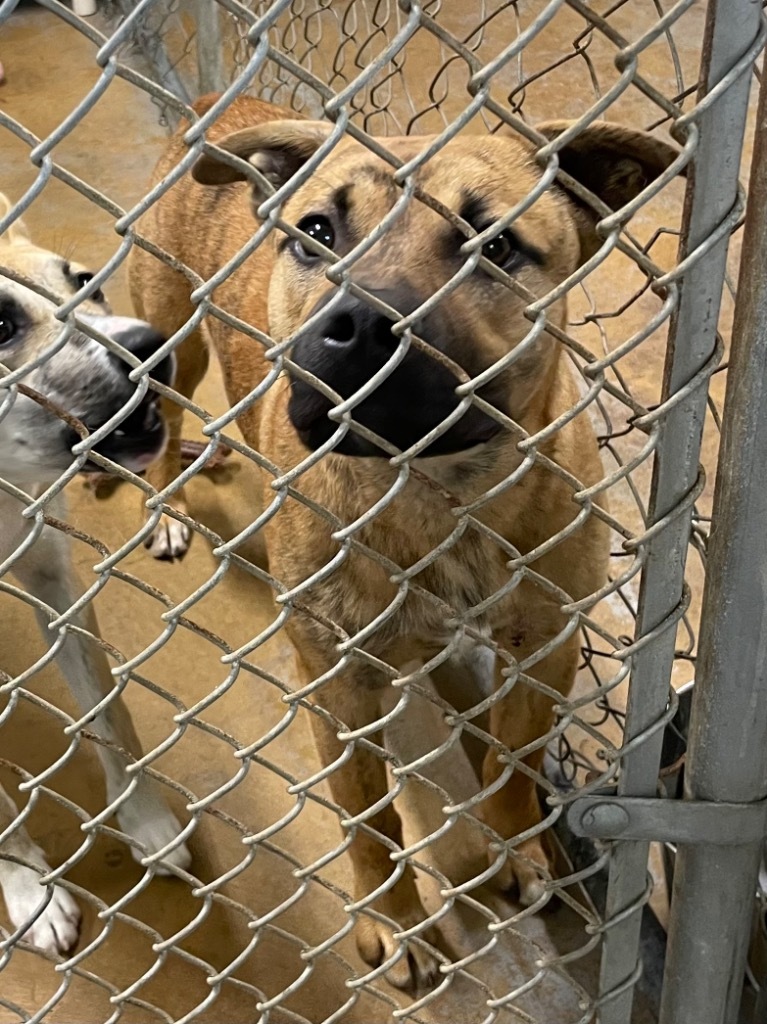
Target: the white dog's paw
(148, 819)
(57, 928)
(169, 540)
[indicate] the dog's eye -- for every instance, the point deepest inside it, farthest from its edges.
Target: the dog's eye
(79, 279)
(85, 277)
(318, 227)
(503, 250)
(8, 328)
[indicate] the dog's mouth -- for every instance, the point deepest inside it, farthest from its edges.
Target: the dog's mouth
(389, 425)
(135, 443)
(402, 410)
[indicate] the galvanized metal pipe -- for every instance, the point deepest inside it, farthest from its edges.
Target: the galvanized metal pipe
(211, 75)
(714, 887)
(731, 28)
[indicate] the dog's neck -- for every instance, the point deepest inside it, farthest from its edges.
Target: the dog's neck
(18, 465)
(456, 470)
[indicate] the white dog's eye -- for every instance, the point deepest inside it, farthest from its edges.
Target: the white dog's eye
(8, 328)
(79, 278)
(83, 279)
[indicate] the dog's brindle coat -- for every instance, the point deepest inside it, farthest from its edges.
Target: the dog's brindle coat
(204, 222)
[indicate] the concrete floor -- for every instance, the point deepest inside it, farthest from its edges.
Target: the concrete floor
(49, 68)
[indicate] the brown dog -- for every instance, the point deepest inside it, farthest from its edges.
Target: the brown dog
(378, 575)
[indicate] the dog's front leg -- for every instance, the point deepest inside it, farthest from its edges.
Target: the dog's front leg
(171, 538)
(46, 571)
(522, 718)
(50, 918)
(359, 783)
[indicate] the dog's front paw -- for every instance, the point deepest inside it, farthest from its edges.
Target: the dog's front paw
(415, 970)
(57, 928)
(169, 540)
(148, 819)
(525, 871)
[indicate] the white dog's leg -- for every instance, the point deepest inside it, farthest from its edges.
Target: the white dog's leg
(56, 928)
(46, 572)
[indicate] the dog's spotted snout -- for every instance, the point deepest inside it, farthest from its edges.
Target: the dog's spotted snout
(139, 338)
(140, 436)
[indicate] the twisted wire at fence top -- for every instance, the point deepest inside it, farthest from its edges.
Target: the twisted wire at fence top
(370, 87)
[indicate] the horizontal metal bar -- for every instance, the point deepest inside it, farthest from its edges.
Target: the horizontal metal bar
(668, 821)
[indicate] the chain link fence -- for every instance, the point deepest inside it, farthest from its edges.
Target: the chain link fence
(271, 914)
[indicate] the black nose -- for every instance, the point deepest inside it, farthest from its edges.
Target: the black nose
(351, 322)
(143, 341)
(347, 343)
(343, 329)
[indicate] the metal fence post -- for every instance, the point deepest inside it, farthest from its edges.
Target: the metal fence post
(727, 758)
(731, 29)
(211, 73)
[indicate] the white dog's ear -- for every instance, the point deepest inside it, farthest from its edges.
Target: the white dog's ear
(276, 148)
(613, 162)
(17, 232)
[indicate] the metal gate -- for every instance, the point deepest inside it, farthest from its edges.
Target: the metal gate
(655, 295)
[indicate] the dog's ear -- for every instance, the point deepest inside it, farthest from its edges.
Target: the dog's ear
(277, 149)
(17, 232)
(613, 162)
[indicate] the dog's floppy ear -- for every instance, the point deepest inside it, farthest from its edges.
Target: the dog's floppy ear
(276, 148)
(613, 162)
(17, 232)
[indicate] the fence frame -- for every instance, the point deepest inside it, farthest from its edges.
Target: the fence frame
(727, 755)
(734, 36)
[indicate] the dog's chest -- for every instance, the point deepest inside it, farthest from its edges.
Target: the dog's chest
(415, 573)
(471, 579)
(420, 609)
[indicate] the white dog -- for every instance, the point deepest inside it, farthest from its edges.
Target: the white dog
(91, 384)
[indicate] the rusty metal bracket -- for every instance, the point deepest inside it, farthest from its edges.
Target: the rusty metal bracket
(668, 821)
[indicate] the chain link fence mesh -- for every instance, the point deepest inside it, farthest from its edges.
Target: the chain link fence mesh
(278, 886)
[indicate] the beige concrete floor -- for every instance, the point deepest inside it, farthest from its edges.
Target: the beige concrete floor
(49, 68)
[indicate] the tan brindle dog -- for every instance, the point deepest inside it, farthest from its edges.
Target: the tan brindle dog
(282, 288)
